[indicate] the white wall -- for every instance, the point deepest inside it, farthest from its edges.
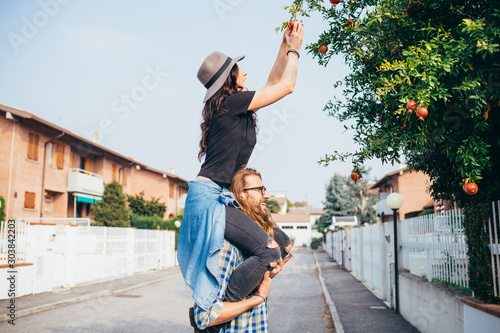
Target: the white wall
(477, 321)
(64, 255)
(300, 231)
(429, 306)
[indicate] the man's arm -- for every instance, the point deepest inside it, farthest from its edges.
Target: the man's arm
(231, 310)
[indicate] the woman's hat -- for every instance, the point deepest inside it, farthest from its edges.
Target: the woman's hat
(214, 72)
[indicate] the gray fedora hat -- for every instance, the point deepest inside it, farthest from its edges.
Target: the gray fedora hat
(214, 71)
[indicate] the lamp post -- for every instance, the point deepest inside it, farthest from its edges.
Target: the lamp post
(394, 201)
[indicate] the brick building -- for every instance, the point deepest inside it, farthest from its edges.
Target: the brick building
(47, 171)
(411, 185)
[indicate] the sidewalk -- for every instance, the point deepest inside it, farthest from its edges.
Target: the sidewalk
(355, 309)
(291, 308)
(30, 304)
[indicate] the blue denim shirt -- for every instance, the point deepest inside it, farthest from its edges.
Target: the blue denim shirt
(201, 237)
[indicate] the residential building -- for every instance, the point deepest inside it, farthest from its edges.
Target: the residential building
(47, 171)
(281, 198)
(412, 186)
(296, 226)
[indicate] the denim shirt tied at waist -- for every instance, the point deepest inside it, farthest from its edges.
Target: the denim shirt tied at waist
(201, 237)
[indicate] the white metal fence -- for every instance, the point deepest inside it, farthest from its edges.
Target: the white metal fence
(366, 251)
(494, 229)
(434, 247)
(63, 255)
(15, 234)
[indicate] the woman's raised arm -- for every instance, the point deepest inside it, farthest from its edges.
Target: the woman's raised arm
(277, 88)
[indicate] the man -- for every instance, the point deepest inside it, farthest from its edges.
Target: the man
(249, 314)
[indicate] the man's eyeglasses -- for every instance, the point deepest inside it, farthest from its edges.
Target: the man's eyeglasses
(262, 189)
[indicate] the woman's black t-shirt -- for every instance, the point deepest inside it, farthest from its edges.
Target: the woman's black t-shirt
(230, 140)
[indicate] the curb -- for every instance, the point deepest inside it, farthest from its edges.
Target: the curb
(98, 294)
(333, 310)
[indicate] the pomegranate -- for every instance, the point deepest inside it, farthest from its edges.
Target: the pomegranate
(422, 113)
(292, 23)
(411, 106)
(334, 2)
(323, 49)
(471, 188)
(355, 176)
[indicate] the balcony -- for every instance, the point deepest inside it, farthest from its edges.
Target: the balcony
(85, 182)
(382, 206)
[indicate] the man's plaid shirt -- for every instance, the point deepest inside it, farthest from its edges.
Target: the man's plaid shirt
(251, 321)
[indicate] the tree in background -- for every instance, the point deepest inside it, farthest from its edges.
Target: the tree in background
(2, 209)
(113, 210)
(363, 202)
(336, 201)
(300, 204)
(344, 197)
(140, 206)
(273, 206)
(424, 87)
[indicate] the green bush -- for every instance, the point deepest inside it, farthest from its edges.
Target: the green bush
(426, 211)
(2, 209)
(112, 210)
(316, 242)
(145, 222)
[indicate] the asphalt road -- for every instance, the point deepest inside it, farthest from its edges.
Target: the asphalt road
(296, 304)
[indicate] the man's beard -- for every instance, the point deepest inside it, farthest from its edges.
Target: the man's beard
(256, 213)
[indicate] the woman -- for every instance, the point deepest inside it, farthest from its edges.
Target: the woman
(228, 139)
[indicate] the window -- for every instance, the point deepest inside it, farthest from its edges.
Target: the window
(113, 172)
(124, 177)
(301, 227)
(29, 200)
(33, 147)
(171, 190)
(86, 164)
(48, 204)
(56, 155)
(286, 227)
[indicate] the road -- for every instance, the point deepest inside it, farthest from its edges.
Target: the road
(296, 304)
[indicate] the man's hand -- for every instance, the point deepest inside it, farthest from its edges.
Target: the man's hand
(265, 285)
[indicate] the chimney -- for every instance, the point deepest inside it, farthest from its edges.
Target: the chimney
(171, 170)
(95, 137)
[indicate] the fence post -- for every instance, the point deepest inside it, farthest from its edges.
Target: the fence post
(381, 247)
(130, 251)
(360, 251)
(71, 256)
(105, 252)
(158, 245)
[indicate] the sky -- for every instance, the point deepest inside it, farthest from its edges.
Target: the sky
(128, 70)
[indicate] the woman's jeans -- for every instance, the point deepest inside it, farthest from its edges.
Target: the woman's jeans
(254, 243)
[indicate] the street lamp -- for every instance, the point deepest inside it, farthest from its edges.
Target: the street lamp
(394, 201)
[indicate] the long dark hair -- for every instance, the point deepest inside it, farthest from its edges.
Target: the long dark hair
(213, 107)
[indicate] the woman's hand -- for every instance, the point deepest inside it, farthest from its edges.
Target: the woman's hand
(293, 35)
